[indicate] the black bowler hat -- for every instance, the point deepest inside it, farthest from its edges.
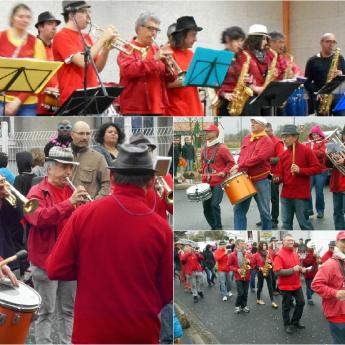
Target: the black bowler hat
(186, 23)
(70, 6)
(133, 160)
(141, 139)
(290, 130)
(46, 17)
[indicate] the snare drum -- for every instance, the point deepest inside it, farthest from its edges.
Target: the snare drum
(51, 100)
(239, 188)
(199, 192)
(18, 306)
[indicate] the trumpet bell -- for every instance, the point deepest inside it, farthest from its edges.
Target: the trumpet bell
(30, 206)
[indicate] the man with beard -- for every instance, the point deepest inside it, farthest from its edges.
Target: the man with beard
(63, 138)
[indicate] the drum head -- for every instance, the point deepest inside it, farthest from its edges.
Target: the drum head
(200, 188)
(22, 297)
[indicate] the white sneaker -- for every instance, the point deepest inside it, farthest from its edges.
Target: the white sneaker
(225, 298)
(237, 310)
(246, 309)
(230, 294)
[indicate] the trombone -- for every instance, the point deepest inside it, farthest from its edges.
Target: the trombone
(88, 197)
(161, 187)
(29, 205)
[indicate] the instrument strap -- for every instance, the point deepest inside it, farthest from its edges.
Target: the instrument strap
(341, 267)
(209, 161)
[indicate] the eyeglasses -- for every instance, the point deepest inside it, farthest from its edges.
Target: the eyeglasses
(330, 41)
(64, 127)
(83, 133)
(152, 28)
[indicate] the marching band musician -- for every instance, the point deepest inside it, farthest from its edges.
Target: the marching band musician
(183, 100)
(329, 252)
(46, 26)
(57, 201)
(239, 264)
(256, 151)
(216, 162)
(295, 167)
(143, 71)
(68, 47)
(156, 198)
(287, 266)
(263, 262)
(17, 42)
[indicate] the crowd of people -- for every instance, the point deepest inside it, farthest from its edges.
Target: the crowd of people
(238, 265)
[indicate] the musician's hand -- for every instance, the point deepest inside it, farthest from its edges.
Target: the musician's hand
(221, 174)
(318, 97)
(11, 108)
(3, 191)
(297, 268)
(163, 52)
(248, 79)
(304, 270)
(295, 168)
(234, 169)
(340, 294)
(336, 73)
(239, 271)
(109, 34)
(5, 271)
(276, 179)
(339, 161)
(257, 89)
(79, 196)
(228, 96)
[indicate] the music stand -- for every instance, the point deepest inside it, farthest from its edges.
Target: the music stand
(25, 75)
(334, 87)
(208, 68)
(275, 94)
(91, 103)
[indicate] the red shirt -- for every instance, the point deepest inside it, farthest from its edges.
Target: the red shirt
(191, 262)
(258, 69)
(297, 186)
(310, 260)
(258, 260)
(255, 157)
(70, 76)
(319, 148)
(278, 150)
(223, 162)
(221, 256)
(234, 267)
(184, 101)
(121, 253)
(337, 181)
(327, 255)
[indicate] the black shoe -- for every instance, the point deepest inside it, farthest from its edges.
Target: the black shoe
(288, 329)
(195, 299)
(201, 294)
(258, 223)
(299, 325)
(274, 225)
(320, 215)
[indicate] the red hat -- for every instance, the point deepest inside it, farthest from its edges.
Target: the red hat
(341, 236)
(212, 128)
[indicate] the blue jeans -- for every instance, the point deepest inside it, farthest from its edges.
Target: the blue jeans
(290, 207)
(166, 334)
(224, 283)
(210, 275)
(310, 292)
(319, 182)
(252, 278)
(338, 210)
(263, 200)
(212, 208)
(189, 164)
(24, 110)
(337, 332)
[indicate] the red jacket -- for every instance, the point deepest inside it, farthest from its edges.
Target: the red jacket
(221, 256)
(234, 267)
(287, 258)
(258, 69)
(319, 148)
(326, 256)
(278, 151)
(310, 260)
(111, 240)
(273, 254)
(255, 157)
(45, 222)
(258, 260)
(297, 186)
(337, 181)
(139, 76)
(223, 162)
(328, 280)
(191, 262)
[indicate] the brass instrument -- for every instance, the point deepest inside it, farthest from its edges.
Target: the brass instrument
(29, 206)
(267, 267)
(121, 45)
(241, 92)
(288, 71)
(244, 268)
(161, 187)
(270, 76)
(326, 100)
(335, 149)
(88, 197)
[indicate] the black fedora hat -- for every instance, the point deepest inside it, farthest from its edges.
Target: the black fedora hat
(133, 160)
(186, 23)
(290, 130)
(70, 6)
(141, 139)
(46, 17)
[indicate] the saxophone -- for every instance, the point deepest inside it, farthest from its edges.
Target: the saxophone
(326, 100)
(272, 69)
(241, 92)
(267, 267)
(244, 268)
(288, 70)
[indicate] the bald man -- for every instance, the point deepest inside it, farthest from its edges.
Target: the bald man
(92, 172)
(316, 72)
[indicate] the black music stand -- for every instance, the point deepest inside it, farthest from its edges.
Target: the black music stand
(93, 102)
(275, 94)
(332, 86)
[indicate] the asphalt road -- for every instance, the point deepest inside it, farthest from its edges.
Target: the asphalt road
(189, 215)
(216, 322)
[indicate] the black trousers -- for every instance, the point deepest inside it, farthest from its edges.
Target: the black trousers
(212, 210)
(273, 280)
(261, 279)
(275, 201)
(297, 314)
(242, 293)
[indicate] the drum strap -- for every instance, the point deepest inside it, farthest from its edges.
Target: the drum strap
(210, 161)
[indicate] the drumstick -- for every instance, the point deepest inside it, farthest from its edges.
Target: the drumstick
(20, 255)
(293, 155)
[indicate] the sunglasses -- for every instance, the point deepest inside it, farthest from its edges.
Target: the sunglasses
(64, 127)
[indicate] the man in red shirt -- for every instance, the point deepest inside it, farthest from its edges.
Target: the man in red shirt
(183, 100)
(68, 48)
(57, 201)
(216, 162)
(295, 167)
(46, 26)
(143, 72)
(118, 238)
(256, 152)
(287, 266)
(329, 283)
(329, 252)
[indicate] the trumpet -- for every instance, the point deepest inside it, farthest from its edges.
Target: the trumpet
(120, 44)
(161, 187)
(29, 205)
(88, 197)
